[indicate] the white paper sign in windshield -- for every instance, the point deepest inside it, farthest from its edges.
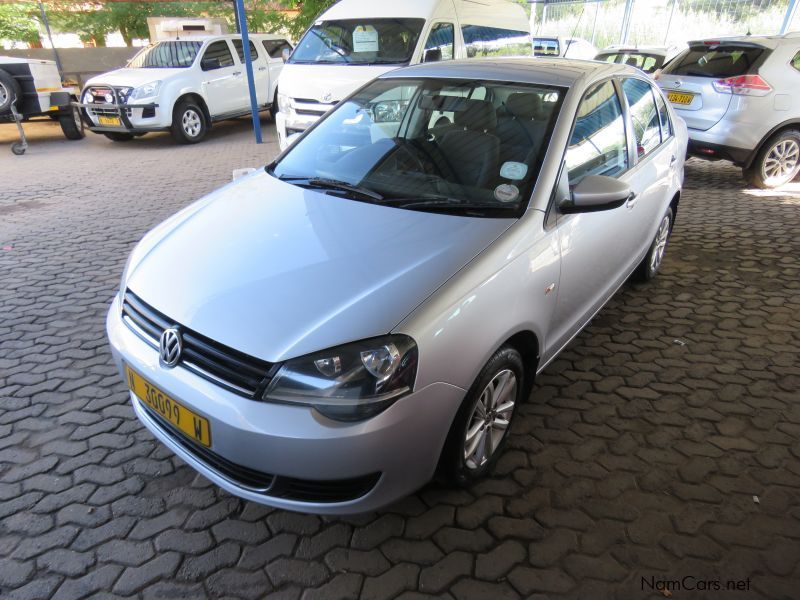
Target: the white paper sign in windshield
(365, 39)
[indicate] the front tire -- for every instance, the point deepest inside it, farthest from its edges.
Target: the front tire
(189, 125)
(72, 124)
(651, 263)
(479, 431)
(777, 163)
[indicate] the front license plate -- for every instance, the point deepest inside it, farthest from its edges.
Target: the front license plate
(109, 121)
(194, 426)
(680, 98)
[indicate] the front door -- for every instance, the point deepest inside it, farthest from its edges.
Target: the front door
(222, 79)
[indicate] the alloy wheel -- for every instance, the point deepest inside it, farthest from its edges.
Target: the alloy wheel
(4, 94)
(780, 163)
(660, 244)
(192, 124)
(490, 419)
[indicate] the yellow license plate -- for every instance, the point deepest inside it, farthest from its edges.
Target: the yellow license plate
(110, 121)
(194, 426)
(680, 98)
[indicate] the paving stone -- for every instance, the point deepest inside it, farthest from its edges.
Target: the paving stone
(135, 578)
(398, 578)
(238, 583)
(300, 572)
(66, 562)
(438, 577)
(341, 587)
(347, 560)
(95, 581)
(498, 562)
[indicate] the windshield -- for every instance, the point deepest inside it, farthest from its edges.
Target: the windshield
(442, 145)
(166, 55)
(641, 60)
(359, 42)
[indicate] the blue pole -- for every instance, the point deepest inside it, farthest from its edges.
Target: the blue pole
(248, 65)
(787, 19)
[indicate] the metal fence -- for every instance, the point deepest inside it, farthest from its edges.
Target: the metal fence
(661, 22)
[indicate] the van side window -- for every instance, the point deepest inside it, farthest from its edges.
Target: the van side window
(642, 107)
(440, 44)
(495, 41)
(240, 50)
(218, 55)
(275, 47)
(598, 145)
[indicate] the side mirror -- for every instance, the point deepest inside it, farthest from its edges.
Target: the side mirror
(432, 55)
(209, 63)
(596, 192)
(285, 54)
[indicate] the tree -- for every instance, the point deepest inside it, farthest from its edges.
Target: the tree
(19, 23)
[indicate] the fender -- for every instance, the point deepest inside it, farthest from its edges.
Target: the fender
(770, 133)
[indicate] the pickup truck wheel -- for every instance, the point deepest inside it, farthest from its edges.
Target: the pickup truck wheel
(480, 429)
(188, 123)
(118, 136)
(651, 262)
(777, 163)
(10, 92)
(71, 123)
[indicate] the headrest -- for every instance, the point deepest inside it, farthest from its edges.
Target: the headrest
(477, 115)
(524, 106)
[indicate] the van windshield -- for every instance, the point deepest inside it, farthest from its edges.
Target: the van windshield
(359, 42)
(470, 148)
(166, 55)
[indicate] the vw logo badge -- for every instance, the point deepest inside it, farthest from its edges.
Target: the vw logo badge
(170, 347)
(326, 97)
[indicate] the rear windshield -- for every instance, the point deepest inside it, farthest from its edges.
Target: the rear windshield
(715, 61)
(545, 46)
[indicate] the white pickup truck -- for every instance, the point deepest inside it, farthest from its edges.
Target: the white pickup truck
(183, 86)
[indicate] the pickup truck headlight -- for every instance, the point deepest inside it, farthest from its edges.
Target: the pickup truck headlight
(148, 90)
(351, 382)
(284, 103)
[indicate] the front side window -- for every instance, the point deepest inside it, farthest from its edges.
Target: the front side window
(598, 145)
(495, 41)
(644, 115)
(217, 56)
(240, 50)
(359, 42)
(441, 145)
(440, 44)
(166, 55)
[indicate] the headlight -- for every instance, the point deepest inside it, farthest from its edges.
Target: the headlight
(349, 383)
(148, 90)
(284, 103)
(88, 98)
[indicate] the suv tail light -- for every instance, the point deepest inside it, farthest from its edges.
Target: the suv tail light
(743, 85)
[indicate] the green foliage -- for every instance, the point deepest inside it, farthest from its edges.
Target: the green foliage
(293, 23)
(19, 23)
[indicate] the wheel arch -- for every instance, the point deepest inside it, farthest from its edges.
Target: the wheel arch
(526, 342)
(673, 204)
(788, 124)
(196, 98)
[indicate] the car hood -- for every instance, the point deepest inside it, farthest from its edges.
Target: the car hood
(327, 83)
(133, 77)
(277, 271)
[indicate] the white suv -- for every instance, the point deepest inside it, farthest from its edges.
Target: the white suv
(183, 86)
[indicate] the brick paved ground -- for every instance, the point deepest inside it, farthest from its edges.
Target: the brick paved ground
(639, 454)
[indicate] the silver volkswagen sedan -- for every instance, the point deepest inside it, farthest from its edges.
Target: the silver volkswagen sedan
(367, 312)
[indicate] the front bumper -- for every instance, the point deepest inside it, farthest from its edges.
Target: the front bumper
(300, 117)
(131, 117)
(401, 445)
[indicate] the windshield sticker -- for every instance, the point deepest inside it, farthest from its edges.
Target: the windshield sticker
(513, 170)
(506, 192)
(365, 39)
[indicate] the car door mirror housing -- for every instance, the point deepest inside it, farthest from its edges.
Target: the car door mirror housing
(285, 54)
(596, 192)
(209, 63)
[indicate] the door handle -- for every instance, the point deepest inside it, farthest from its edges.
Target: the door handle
(672, 160)
(237, 73)
(262, 68)
(631, 201)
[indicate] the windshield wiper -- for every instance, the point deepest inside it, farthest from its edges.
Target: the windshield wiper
(332, 184)
(446, 204)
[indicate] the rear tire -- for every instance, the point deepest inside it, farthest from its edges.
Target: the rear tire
(119, 136)
(652, 261)
(189, 124)
(480, 429)
(10, 92)
(72, 124)
(777, 163)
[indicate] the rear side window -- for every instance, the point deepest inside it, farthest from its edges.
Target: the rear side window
(715, 61)
(495, 41)
(440, 43)
(275, 47)
(644, 115)
(598, 145)
(240, 50)
(217, 56)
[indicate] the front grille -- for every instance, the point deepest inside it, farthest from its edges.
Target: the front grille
(99, 95)
(229, 368)
(107, 112)
(278, 486)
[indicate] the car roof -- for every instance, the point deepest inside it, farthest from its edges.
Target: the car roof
(659, 50)
(563, 72)
(223, 36)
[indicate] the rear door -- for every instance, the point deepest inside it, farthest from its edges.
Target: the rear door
(689, 79)
(260, 73)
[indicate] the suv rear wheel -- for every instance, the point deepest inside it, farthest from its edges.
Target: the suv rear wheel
(778, 161)
(189, 124)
